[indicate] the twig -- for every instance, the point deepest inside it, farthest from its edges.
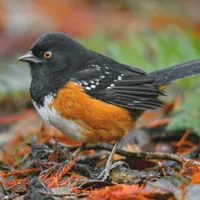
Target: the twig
(195, 153)
(64, 194)
(56, 194)
(140, 155)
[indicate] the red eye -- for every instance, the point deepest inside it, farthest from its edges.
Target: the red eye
(47, 54)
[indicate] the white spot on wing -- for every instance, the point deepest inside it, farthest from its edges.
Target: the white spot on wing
(119, 78)
(88, 88)
(84, 82)
(93, 86)
(135, 101)
(51, 116)
(97, 67)
(96, 79)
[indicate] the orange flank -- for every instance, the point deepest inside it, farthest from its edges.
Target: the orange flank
(93, 115)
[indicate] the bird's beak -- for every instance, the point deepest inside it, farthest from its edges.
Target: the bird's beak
(29, 58)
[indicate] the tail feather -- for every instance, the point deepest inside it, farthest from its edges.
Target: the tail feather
(175, 72)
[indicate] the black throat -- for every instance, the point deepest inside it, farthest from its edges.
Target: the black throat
(44, 84)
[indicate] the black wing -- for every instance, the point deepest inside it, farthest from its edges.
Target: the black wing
(118, 84)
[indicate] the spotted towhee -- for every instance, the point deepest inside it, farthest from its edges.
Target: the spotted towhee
(91, 97)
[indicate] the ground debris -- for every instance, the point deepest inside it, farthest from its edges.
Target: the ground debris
(52, 165)
(33, 190)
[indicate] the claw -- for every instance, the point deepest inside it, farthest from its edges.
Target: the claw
(105, 173)
(109, 166)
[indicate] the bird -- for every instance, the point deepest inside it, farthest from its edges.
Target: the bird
(89, 96)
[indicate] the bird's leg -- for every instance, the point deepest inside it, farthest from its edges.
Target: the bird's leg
(78, 150)
(104, 174)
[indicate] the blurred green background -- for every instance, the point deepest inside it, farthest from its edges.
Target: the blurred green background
(148, 34)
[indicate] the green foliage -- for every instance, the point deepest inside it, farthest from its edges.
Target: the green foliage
(168, 47)
(188, 115)
(14, 79)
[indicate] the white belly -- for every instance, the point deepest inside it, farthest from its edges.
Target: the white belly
(51, 116)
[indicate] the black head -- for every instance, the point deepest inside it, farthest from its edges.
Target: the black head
(54, 52)
(53, 59)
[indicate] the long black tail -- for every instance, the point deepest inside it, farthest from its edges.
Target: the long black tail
(175, 72)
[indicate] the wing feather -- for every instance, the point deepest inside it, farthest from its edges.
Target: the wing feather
(121, 85)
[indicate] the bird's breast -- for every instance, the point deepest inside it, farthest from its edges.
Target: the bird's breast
(83, 118)
(52, 117)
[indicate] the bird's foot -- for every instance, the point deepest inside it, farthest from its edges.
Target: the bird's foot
(109, 166)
